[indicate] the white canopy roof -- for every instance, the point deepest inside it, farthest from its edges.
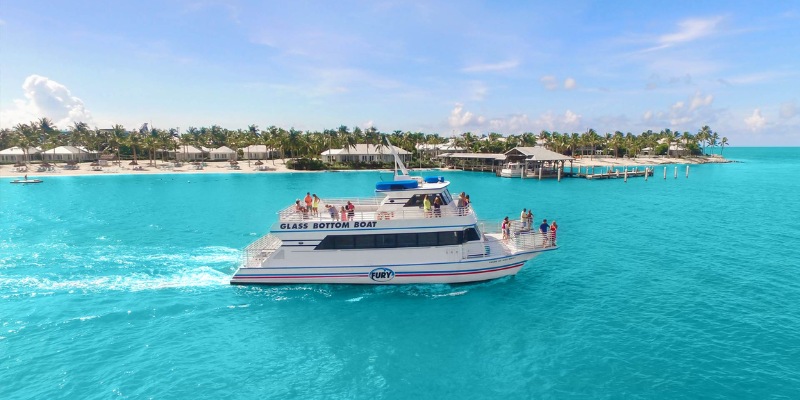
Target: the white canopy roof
(18, 151)
(223, 150)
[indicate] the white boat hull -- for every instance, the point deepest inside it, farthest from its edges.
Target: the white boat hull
(388, 274)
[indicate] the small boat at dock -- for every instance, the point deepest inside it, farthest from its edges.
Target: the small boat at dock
(26, 181)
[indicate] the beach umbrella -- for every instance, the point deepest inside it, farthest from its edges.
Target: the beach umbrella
(133, 163)
(259, 162)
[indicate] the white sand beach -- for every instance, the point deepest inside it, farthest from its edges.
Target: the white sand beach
(145, 167)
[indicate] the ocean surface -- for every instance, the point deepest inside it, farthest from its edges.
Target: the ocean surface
(678, 288)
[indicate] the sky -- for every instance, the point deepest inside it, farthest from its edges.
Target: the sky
(443, 67)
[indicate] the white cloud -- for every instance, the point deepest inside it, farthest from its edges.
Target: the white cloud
(688, 30)
(693, 111)
(459, 118)
(648, 115)
(569, 83)
(755, 121)
(700, 101)
(496, 67)
(571, 119)
(568, 122)
(45, 98)
(549, 82)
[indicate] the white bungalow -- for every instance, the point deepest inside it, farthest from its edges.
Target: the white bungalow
(187, 153)
(222, 153)
(365, 153)
(258, 152)
(67, 153)
(17, 154)
(433, 150)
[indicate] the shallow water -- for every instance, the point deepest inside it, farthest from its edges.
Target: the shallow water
(677, 288)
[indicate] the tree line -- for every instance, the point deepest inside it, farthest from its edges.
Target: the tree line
(293, 143)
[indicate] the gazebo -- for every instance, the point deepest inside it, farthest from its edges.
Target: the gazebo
(538, 160)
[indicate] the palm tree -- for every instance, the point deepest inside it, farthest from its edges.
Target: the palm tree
(703, 135)
(723, 143)
(669, 138)
(116, 139)
(50, 134)
(25, 137)
(714, 139)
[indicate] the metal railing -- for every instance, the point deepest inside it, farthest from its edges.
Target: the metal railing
(368, 210)
(255, 253)
(519, 239)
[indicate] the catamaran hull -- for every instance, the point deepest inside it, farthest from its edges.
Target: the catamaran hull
(390, 274)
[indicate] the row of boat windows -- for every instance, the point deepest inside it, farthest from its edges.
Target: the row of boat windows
(417, 199)
(395, 240)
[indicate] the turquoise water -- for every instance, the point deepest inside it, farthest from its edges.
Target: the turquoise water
(116, 286)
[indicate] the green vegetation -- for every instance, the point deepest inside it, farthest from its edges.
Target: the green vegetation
(305, 148)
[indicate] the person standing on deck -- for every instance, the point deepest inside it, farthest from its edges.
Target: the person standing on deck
(437, 207)
(426, 206)
(462, 203)
(351, 211)
(523, 219)
(530, 218)
(505, 227)
(553, 229)
(308, 200)
(315, 205)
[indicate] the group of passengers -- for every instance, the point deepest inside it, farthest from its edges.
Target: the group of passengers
(311, 208)
(548, 231)
(434, 208)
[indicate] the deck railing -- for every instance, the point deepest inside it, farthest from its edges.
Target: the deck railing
(367, 210)
(258, 251)
(519, 239)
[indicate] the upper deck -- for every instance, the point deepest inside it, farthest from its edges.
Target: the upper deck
(371, 209)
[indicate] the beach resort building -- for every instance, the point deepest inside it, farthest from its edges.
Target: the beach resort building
(222, 153)
(434, 150)
(188, 153)
(68, 153)
(258, 152)
(365, 153)
(17, 154)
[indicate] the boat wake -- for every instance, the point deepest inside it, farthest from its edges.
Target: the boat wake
(190, 278)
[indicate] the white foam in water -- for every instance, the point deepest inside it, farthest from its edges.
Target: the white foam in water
(184, 278)
(216, 254)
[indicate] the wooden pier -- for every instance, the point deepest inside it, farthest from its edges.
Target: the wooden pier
(617, 174)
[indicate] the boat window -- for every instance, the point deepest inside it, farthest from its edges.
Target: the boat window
(414, 201)
(364, 241)
(406, 240)
(400, 240)
(471, 234)
(384, 241)
(447, 197)
(449, 238)
(344, 242)
(427, 239)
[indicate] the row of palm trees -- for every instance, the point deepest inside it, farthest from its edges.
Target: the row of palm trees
(294, 143)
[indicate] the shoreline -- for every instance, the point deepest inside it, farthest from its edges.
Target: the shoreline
(223, 167)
